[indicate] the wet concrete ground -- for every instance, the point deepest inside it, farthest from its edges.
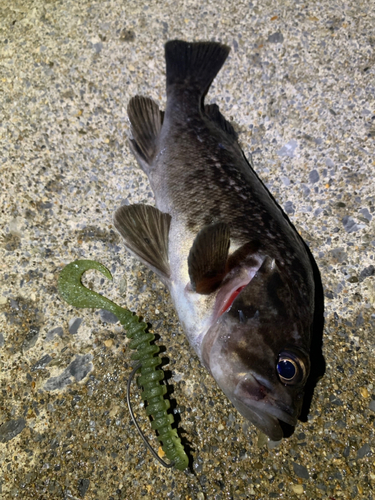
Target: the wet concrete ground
(299, 88)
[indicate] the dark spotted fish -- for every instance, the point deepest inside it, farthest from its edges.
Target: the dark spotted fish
(239, 274)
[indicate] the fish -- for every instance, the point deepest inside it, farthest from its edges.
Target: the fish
(239, 274)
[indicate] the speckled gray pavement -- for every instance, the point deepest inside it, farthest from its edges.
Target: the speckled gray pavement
(299, 86)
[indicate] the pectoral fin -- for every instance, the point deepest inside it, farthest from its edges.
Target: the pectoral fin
(208, 257)
(145, 230)
(243, 254)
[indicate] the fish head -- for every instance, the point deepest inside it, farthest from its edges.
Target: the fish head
(257, 351)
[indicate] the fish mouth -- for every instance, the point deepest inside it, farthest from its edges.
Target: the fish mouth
(254, 400)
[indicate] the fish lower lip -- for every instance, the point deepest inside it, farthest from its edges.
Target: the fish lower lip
(261, 418)
(257, 396)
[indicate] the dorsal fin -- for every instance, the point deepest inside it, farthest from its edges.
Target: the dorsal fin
(146, 121)
(213, 113)
(208, 256)
(145, 230)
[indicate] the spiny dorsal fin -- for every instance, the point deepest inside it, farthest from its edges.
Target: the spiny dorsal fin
(213, 113)
(145, 230)
(146, 120)
(207, 258)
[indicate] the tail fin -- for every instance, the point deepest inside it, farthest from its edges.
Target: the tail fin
(194, 64)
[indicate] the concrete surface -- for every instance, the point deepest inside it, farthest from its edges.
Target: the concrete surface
(299, 87)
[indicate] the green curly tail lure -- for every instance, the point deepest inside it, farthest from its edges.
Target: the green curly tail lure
(76, 294)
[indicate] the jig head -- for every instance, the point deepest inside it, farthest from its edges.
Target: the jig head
(76, 294)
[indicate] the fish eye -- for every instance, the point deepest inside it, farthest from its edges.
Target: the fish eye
(290, 368)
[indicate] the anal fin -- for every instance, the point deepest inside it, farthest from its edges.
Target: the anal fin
(145, 230)
(146, 121)
(208, 257)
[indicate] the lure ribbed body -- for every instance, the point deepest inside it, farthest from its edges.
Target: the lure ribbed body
(154, 392)
(72, 290)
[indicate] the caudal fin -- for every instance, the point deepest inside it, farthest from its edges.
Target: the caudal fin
(194, 65)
